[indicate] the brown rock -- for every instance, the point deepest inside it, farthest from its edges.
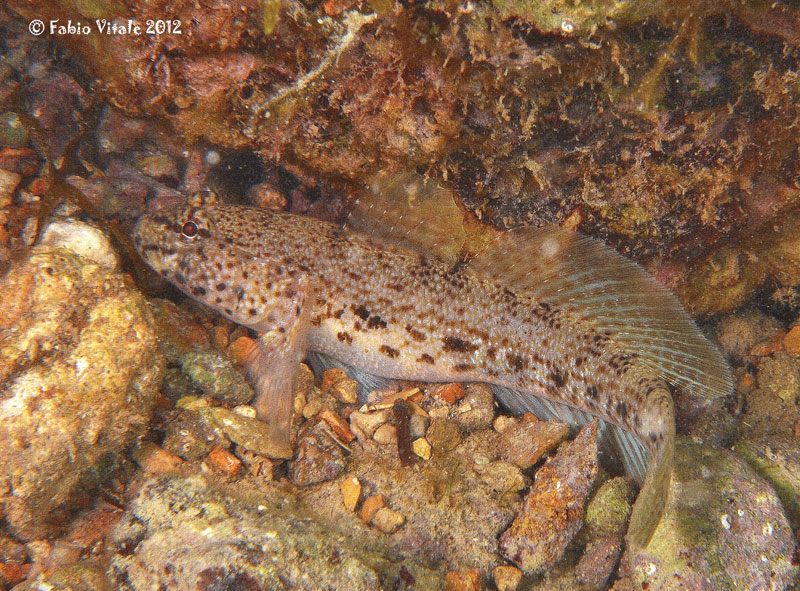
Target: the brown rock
(157, 460)
(552, 513)
(319, 457)
(351, 492)
(450, 393)
(224, 462)
(388, 520)
(340, 385)
(791, 342)
(598, 561)
(371, 506)
(443, 435)
(507, 578)
(463, 580)
(527, 441)
(337, 424)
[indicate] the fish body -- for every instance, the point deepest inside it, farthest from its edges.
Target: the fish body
(310, 286)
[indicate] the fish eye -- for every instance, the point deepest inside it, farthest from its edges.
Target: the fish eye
(189, 230)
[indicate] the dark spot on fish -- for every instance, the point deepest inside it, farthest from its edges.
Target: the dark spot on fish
(491, 352)
(557, 378)
(517, 362)
(622, 409)
(591, 392)
(425, 358)
(415, 334)
(316, 321)
(463, 367)
(459, 345)
(252, 311)
(219, 300)
(389, 351)
(354, 276)
(297, 310)
(357, 326)
(221, 286)
(579, 361)
(281, 330)
(361, 312)
(245, 274)
(179, 278)
(344, 337)
(229, 312)
(338, 313)
(375, 322)
(198, 291)
(203, 233)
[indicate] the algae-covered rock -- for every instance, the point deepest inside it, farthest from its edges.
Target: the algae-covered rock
(777, 460)
(182, 535)
(723, 528)
(82, 576)
(216, 377)
(79, 371)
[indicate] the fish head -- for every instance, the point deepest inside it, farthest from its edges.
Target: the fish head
(191, 246)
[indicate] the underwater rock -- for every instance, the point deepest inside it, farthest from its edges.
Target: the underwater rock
(214, 374)
(183, 535)
(79, 373)
(82, 576)
(191, 435)
(526, 441)
(318, 456)
(723, 529)
(778, 460)
(554, 508)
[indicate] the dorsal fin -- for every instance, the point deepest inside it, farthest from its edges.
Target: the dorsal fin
(593, 281)
(406, 209)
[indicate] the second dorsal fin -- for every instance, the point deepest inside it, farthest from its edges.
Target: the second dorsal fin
(594, 282)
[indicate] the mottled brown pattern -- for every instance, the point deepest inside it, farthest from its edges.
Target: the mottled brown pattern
(399, 320)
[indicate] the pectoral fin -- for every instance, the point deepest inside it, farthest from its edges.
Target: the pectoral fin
(273, 367)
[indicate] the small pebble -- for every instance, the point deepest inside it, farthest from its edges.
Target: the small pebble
(385, 434)
(318, 456)
(443, 435)
(245, 410)
(8, 184)
(219, 336)
(388, 520)
(418, 425)
(156, 460)
(339, 385)
(368, 422)
(791, 342)
(476, 409)
(463, 580)
(351, 492)
(222, 461)
(422, 448)
(450, 393)
(371, 506)
(337, 424)
(507, 578)
(503, 422)
(257, 465)
(240, 348)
